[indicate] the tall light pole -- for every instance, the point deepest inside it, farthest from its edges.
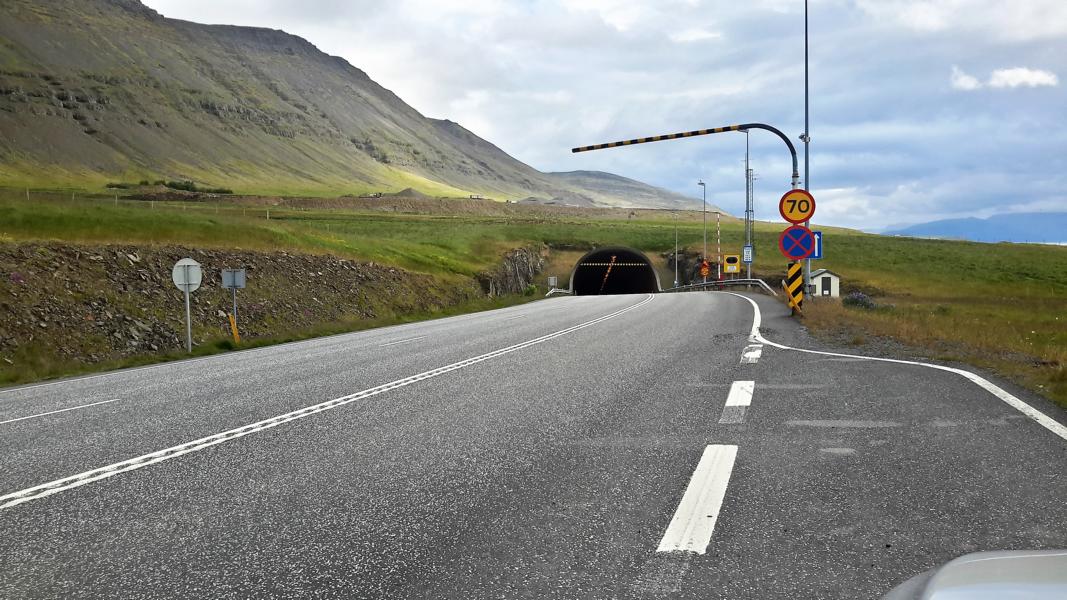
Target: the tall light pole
(749, 212)
(704, 193)
(806, 138)
(718, 246)
(676, 248)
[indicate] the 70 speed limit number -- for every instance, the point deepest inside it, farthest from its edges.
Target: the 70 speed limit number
(797, 206)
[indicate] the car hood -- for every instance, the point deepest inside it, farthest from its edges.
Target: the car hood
(1003, 575)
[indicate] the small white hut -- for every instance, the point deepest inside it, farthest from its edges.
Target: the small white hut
(826, 283)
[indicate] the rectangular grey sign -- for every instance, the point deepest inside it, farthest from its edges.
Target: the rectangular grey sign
(233, 279)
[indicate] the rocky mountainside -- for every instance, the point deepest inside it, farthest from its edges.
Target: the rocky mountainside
(603, 187)
(93, 91)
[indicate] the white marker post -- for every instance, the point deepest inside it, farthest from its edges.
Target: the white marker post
(187, 276)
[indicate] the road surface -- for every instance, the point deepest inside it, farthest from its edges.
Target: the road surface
(591, 447)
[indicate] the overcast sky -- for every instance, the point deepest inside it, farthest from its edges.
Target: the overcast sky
(920, 109)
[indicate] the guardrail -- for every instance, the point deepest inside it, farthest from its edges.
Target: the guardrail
(558, 291)
(721, 284)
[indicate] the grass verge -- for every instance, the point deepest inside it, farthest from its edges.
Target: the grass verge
(998, 306)
(987, 335)
(37, 364)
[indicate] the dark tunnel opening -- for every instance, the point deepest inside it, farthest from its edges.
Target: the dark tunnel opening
(615, 270)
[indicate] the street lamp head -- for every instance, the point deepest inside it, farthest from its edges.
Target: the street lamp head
(701, 182)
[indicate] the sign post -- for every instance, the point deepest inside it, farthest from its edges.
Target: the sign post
(731, 263)
(187, 276)
(798, 243)
(233, 280)
(796, 206)
(794, 286)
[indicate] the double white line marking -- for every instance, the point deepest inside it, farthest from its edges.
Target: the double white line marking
(66, 483)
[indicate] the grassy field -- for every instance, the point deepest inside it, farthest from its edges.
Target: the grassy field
(999, 306)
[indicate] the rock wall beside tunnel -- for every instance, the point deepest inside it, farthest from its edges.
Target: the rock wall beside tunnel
(688, 266)
(515, 272)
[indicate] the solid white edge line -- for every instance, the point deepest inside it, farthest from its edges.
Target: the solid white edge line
(1037, 416)
(248, 351)
(52, 412)
(741, 393)
(47, 489)
(694, 521)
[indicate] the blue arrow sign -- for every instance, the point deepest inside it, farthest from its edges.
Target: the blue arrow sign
(817, 253)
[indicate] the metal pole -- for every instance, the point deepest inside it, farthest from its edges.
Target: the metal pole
(188, 313)
(675, 248)
(807, 140)
(234, 304)
(704, 193)
(718, 246)
(748, 205)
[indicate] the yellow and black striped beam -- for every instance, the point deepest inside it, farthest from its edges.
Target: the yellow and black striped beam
(696, 132)
(658, 138)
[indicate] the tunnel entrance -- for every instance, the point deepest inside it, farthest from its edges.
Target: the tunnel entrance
(615, 270)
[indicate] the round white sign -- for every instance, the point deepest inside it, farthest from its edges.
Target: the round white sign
(187, 275)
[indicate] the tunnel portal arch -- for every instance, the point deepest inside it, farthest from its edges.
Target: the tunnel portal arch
(614, 270)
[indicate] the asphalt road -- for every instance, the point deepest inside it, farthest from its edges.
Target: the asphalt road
(591, 447)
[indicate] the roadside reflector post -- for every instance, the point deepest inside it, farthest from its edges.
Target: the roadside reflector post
(233, 328)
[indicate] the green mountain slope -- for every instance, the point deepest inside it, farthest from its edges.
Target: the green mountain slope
(103, 90)
(604, 187)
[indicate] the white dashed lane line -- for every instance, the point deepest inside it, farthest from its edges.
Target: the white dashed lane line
(751, 354)
(404, 341)
(52, 412)
(737, 402)
(694, 521)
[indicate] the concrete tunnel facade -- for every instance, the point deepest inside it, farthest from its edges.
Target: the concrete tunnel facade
(614, 270)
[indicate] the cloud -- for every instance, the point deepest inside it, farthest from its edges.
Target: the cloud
(695, 34)
(890, 138)
(1021, 76)
(1016, 21)
(1004, 78)
(963, 81)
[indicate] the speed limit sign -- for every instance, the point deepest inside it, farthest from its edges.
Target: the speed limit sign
(797, 206)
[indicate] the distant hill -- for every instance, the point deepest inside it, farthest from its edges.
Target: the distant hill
(95, 91)
(602, 187)
(1048, 227)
